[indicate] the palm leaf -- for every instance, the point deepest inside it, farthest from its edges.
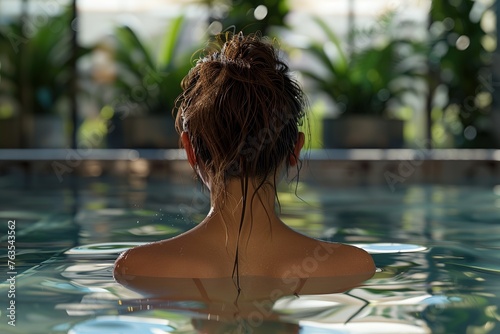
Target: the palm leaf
(163, 74)
(332, 37)
(170, 43)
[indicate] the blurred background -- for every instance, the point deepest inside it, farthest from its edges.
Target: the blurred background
(95, 74)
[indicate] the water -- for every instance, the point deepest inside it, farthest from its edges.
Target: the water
(436, 247)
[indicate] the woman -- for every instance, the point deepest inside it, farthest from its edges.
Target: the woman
(238, 118)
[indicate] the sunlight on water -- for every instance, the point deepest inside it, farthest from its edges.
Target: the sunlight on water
(389, 248)
(102, 248)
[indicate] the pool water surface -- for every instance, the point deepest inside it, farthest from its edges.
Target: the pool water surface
(436, 248)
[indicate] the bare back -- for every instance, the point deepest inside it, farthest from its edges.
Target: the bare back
(206, 253)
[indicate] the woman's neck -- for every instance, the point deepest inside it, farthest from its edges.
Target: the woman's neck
(253, 208)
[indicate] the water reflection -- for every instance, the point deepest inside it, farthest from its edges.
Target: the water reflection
(123, 325)
(391, 248)
(113, 248)
(413, 292)
(219, 305)
(436, 247)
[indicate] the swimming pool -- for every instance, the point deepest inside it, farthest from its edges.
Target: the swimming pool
(436, 247)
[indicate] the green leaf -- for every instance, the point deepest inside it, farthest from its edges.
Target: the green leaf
(332, 37)
(170, 43)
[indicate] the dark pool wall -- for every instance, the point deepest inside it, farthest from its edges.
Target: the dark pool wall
(398, 173)
(393, 173)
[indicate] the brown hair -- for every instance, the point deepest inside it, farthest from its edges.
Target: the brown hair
(242, 111)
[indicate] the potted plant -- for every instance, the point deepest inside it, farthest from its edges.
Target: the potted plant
(364, 85)
(145, 88)
(10, 124)
(35, 76)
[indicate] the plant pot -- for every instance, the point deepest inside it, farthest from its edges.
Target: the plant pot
(46, 131)
(10, 132)
(115, 137)
(150, 131)
(362, 132)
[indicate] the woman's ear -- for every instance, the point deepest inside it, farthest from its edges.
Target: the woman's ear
(296, 150)
(186, 143)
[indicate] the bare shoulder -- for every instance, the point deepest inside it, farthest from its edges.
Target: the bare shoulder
(323, 259)
(353, 260)
(166, 258)
(139, 261)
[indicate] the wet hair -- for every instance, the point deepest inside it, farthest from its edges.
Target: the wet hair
(242, 110)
